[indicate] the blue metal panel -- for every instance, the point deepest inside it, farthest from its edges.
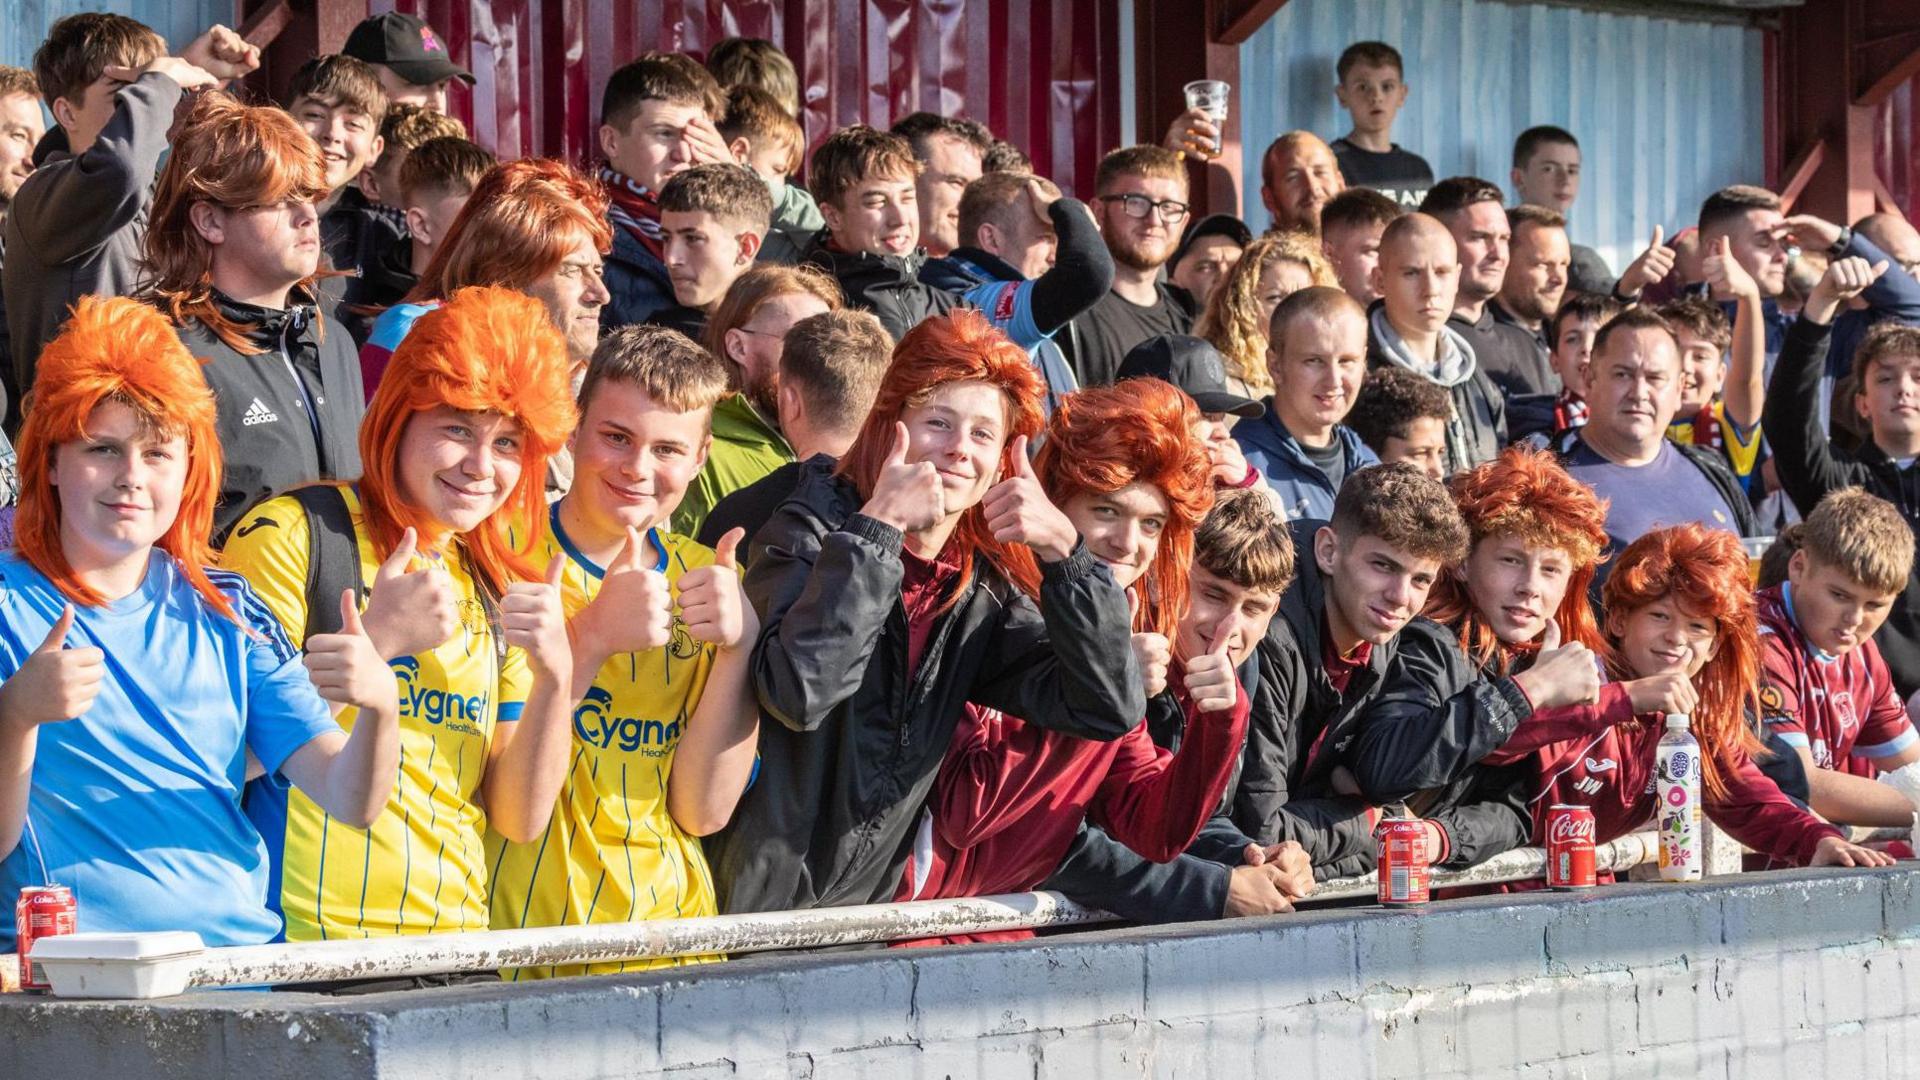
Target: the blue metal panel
(1666, 110)
(23, 23)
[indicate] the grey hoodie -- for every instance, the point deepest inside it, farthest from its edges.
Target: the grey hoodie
(1478, 429)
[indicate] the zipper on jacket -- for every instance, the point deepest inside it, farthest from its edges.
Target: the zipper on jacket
(306, 396)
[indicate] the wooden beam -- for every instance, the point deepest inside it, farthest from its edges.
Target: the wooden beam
(266, 23)
(1235, 21)
(1800, 173)
(1884, 63)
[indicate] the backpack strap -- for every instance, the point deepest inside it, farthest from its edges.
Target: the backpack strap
(333, 555)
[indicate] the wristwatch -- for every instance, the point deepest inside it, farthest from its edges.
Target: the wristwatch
(1839, 247)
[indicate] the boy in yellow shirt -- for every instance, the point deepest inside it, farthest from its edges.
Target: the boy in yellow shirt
(665, 731)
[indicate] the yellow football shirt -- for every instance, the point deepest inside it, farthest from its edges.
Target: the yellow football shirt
(422, 866)
(612, 852)
(1740, 447)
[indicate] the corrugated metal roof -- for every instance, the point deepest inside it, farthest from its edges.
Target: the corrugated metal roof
(1666, 110)
(24, 23)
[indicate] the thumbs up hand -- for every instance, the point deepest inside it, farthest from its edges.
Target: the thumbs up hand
(534, 620)
(1653, 265)
(632, 612)
(713, 603)
(1726, 278)
(1211, 684)
(347, 669)
(1018, 511)
(1561, 674)
(54, 683)
(410, 611)
(906, 496)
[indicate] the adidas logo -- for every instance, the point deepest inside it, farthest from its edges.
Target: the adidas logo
(258, 413)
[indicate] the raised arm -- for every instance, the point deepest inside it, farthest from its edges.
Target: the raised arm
(1802, 454)
(1746, 386)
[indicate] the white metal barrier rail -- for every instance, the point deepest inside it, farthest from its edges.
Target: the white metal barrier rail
(255, 965)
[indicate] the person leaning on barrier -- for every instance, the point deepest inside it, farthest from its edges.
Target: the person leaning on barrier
(140, 684)
(456, 443)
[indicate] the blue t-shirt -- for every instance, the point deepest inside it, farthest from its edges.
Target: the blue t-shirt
(1669, 490)
(135, 805)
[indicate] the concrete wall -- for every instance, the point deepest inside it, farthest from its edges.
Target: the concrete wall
(1804, 974)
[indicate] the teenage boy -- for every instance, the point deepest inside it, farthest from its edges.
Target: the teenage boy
(766, 138)
(1403, 417)
(1032, 260)
(656, 119)
(404, 129)
(76, 226)
(434, 183)
(1824, 689)
(1886, 373)
(412, 61)
(949, 152)
(233, 245)
(1417, 276)
(713, 219)
(1317, 358)
(1208, 249)
(338, 100)
(1298, 176)
(1546, 173)
(865, 182)
(1373, 89)
(456, 443)
(1350, 228)
(830, 368)
(1623, 453)
(139, 683)
(1721, 386)
(663, 737)
(1471, 210)
(1140, 202)
(1572, 331)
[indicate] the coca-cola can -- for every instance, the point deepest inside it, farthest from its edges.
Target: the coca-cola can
(43, 911)
(1569, 847)
(1402, 864)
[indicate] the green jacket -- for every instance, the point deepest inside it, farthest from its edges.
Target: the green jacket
(745, 448)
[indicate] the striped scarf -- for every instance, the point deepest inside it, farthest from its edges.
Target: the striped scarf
(635, 209)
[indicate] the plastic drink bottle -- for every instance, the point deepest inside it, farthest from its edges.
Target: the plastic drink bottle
(1677, 786)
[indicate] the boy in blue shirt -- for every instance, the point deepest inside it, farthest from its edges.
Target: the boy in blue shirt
(140, 685)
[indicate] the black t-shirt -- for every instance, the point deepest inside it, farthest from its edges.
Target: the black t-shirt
(1510, 354)
(750, 507)
(1398, 174)
(1103, 336)
(1330, 459)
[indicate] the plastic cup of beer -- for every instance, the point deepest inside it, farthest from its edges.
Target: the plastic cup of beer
(1210, 97)
(1756, 549)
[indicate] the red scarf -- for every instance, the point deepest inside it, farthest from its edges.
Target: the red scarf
(635, 209)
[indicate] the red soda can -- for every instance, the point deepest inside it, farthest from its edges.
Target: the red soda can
(43, 911)
(1402, 864)
(1569, 847)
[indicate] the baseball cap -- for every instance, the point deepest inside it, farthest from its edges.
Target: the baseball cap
(1193, 365)
(406, 44)
(1212, 225)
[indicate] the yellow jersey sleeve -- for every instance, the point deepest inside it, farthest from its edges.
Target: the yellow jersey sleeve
(270, 548)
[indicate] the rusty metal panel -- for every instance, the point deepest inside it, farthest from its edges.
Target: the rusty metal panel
(1667, 109)
(1044, 74)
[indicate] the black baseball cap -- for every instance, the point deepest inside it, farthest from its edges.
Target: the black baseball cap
(1193, 365)
(1212, 225)
(406, 44)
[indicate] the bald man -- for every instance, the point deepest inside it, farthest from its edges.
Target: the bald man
(1417, 278)
(1297, 177)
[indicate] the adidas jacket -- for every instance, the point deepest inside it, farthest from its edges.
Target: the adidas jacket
(275, 432)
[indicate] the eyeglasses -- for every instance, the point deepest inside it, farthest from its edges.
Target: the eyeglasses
(1139, 206)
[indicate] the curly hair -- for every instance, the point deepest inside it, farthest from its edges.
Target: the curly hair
(961, 346)
(484, 350)
(1524, 493)
(118, 350)
(1138, 431)
(1703, 571)
(1232, 320)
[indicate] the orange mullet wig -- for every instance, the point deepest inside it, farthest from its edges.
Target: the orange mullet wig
(485, 350)
(118, 350)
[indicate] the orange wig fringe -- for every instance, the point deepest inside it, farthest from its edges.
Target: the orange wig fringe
(521, 222)
(485, 350)
(1704, 571)
(1104, 438)
(1524, 493)
(229, 155)
(958, 347)
(118, 350)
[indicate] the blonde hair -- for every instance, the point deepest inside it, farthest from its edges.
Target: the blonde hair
(1232, 320)
(665, 363)
(1862, 536)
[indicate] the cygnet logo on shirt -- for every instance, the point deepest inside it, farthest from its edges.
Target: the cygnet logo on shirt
(434, 705)
(595, 724)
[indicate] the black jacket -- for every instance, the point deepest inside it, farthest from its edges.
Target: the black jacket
(1810, 466)
(849, 744)
(1710, 464)
(889, 286)
(356, 235)
(266, 402)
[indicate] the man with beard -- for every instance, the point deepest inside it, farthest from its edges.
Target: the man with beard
(1472, 211)
(1298, 176)
(1536, 276)
(21, 129)
(1140, 203)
